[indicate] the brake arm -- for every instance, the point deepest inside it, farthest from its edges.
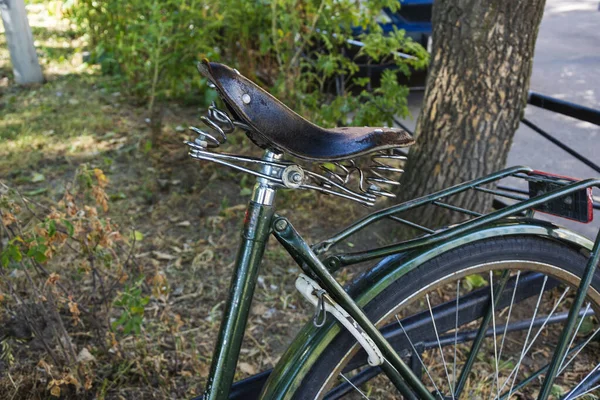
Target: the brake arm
(317, 296)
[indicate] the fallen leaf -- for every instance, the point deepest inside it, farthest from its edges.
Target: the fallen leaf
(85, 356)
(247, 368)
(55, 391)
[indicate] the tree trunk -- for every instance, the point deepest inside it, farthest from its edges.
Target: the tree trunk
(475, 96)
(24, 59)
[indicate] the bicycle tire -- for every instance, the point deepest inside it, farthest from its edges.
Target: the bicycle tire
(528, 249)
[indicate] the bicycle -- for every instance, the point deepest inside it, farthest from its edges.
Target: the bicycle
(434, 305)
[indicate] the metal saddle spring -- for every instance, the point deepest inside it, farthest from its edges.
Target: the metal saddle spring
(220, 124)
(373, 179)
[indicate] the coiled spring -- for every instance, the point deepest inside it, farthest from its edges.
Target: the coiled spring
(220, 125)
(382, 172)
(373, 180)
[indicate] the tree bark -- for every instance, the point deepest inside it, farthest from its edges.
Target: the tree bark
(475, 95)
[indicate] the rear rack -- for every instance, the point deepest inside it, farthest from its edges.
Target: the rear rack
(525, 206)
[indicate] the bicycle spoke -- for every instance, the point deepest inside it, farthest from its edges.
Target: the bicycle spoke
(515, 371)
(568, 396)
(439, 345)
(481, 334)
(416, 353)
(537, 374)
(540, 331)
(510, 307)
(354, 386)
(494, 330)
(586, 392)
(455, 335)
(537, 306)
(578, 351)
(574, 336)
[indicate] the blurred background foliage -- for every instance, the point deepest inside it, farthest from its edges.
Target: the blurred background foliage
(293, 48)
(115, 247)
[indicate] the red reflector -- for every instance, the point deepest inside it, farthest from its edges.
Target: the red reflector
(577, 206)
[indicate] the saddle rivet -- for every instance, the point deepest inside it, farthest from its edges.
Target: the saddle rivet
(246, 98)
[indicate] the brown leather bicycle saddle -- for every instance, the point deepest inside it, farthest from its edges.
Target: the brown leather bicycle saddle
(277, 127)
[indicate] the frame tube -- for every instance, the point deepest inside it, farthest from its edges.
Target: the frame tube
(254, 238)
(563, 342)
(303, 353)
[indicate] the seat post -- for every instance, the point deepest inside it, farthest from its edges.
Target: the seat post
(255, 233)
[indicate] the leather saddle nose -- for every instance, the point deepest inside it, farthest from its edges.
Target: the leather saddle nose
(277, 127)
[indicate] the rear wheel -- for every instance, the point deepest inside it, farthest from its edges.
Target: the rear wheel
(432, 316)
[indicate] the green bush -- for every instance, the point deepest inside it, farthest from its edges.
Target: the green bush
(293, 48)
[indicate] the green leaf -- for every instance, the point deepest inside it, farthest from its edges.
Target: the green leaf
(245, 192)
(136, 310)
(128, 327)
(69, 226)
(51, 228)
(40, 257)
(475, 281)
(36, 192)
(16, 253)
(137, 236)
(120, 321)
(557, 391)
(4, 259)
(37, 177)
(118, 196)
(587, 326)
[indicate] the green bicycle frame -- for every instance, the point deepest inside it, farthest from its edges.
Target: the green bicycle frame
(260, 221)
(256, 230)
(254, 238)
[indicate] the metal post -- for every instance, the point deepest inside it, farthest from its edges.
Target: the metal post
(256, 231)
(20, 42)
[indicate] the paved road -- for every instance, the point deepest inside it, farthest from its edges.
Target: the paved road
(566, 66)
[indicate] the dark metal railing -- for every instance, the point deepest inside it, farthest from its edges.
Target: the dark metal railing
(563, 107)
(552, 104)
